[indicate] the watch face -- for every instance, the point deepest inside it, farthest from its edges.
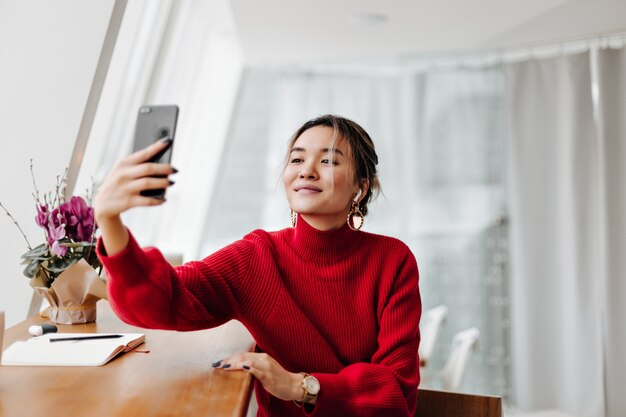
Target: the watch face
(312, 385)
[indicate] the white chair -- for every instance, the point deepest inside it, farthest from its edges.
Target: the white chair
(451, 376)
(429, 329)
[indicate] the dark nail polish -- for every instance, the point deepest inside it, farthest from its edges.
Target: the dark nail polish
(174, 170)
(216, 364)
(246, 367)
(171, 182)
(226, 365)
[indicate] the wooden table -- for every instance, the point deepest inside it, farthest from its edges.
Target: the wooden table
(174, 379)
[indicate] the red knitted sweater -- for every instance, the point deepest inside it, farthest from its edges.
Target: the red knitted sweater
(341, 305)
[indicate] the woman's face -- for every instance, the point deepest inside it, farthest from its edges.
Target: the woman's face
(319, 178)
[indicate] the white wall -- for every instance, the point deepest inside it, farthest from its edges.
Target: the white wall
(48, 55)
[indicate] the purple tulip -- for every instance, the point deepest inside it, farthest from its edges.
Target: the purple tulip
(42, 216)
(59, 249)
(79, 219)
(56, 234)
(56, 218)
(73, 219)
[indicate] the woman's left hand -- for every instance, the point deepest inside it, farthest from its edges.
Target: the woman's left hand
(274, 378)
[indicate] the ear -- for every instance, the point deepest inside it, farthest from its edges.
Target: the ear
(364, 186)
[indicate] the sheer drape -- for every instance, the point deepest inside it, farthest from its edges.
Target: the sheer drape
(555, 281)
(171, 52)
(458, 214)
(272, 105)
(439, 138)
(612, 173)
(439, 134)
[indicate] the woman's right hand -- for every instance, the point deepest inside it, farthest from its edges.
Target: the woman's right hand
(121, 188)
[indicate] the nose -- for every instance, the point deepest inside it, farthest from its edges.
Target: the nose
(307, 171)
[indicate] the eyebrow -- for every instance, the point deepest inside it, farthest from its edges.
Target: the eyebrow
(323, 150)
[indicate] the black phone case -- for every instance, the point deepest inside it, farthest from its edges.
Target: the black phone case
(153, 124)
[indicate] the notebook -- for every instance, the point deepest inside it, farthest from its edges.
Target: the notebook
(40, 351)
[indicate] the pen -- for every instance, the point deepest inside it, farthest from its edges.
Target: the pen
(101, 336)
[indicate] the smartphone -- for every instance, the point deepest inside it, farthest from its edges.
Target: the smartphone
(153, 124)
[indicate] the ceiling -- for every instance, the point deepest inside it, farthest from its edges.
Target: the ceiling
(320, 31)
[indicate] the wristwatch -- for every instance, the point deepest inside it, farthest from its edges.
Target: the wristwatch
(310, 387)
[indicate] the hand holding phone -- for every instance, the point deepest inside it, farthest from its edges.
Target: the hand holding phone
(156, 123)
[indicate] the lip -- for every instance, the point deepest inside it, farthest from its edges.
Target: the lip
(308, 188)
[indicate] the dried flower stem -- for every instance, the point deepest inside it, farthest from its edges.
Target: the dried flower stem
(90, 196)
(18, 226)
(59, 189)
(32, 176)
(63, 184)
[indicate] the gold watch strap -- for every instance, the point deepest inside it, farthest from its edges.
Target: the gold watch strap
(306, 396)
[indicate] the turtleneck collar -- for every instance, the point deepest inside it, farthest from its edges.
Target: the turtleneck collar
(324, 245)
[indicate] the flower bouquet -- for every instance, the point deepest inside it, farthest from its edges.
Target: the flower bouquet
(63, 268)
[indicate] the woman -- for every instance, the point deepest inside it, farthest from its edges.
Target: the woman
(334, 310)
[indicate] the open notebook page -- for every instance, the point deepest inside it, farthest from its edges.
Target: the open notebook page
(39, 351)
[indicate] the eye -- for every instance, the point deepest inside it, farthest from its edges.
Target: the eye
(329, 161)
(296, 160)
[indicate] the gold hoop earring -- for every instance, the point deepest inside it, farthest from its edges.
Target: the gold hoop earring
(355, 211)
(294, 218)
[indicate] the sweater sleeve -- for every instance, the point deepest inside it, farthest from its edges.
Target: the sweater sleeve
(146, 291)
(388, 384)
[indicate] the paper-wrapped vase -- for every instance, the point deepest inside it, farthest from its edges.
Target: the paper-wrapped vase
(73, 294)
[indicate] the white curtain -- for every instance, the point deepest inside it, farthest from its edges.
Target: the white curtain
(438, 135)
(272, 105)
(612, 174)
(556, 269)
(171, 52)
